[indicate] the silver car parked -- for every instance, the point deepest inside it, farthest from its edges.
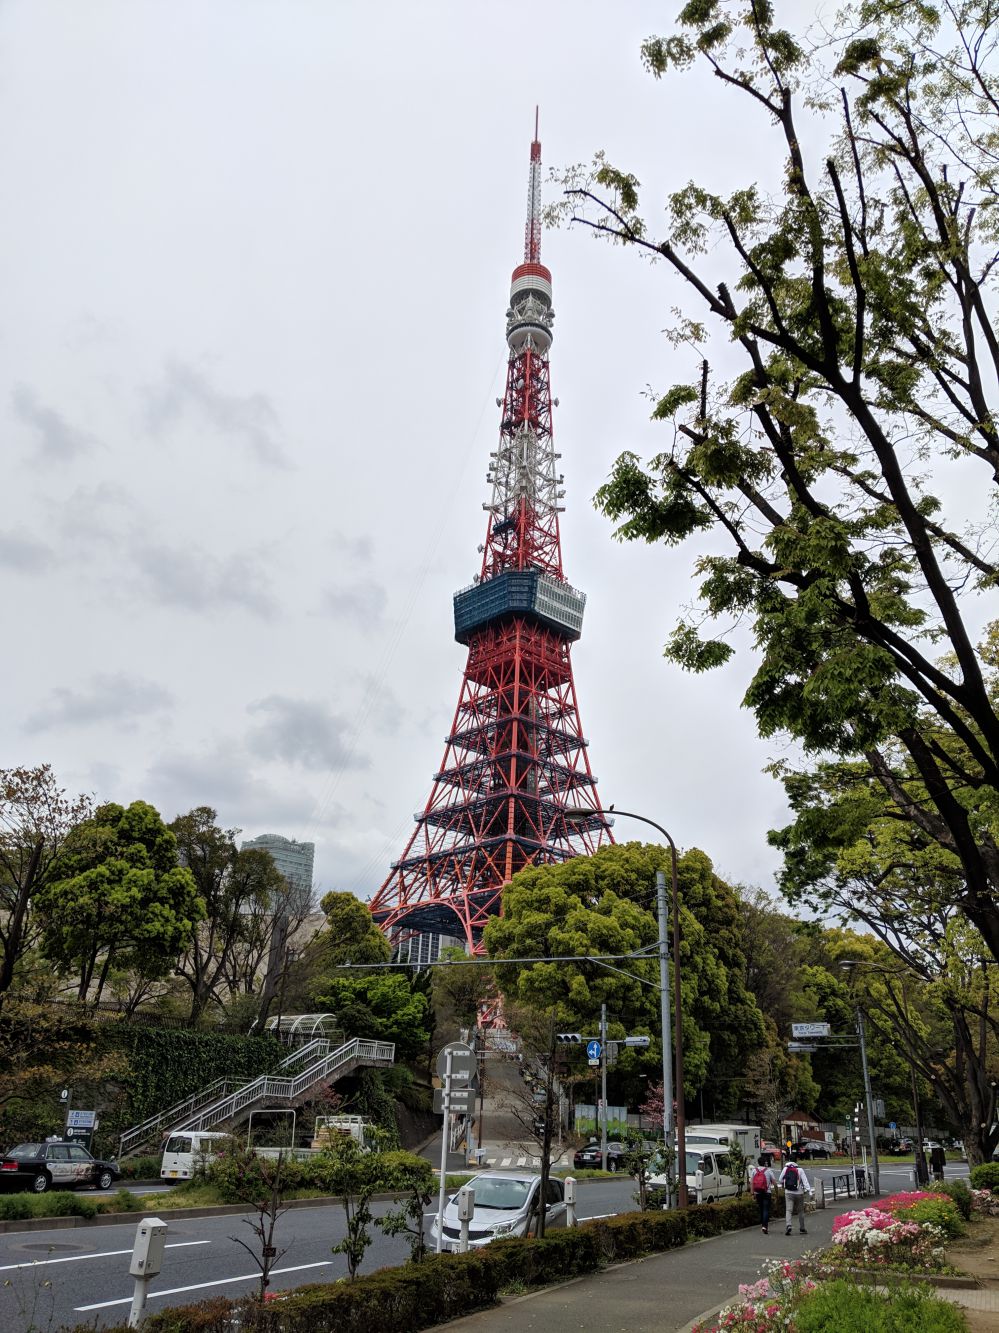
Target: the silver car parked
(507, 1203)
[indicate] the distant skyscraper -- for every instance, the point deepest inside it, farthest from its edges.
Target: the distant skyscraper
(294, 859)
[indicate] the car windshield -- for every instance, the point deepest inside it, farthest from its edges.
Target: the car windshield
(26, 1150)
(501, 1191)
(694, 1160)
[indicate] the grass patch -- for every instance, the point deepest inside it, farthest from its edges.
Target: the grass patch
(848, 1308)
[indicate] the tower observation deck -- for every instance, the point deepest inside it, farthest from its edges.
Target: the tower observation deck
(515, 759)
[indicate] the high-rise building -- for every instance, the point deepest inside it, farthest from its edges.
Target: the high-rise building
(294, 859)
(515, 763)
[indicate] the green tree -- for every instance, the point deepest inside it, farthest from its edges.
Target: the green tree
(348, 935)
(601, 904)
(380, 1005)
(229, 882)
(36, 816)
(857, 300)
(122, 901)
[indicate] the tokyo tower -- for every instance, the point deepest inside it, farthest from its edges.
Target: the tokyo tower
(515, 759)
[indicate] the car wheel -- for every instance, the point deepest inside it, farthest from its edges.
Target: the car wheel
(41, 1182)
(105, 1180)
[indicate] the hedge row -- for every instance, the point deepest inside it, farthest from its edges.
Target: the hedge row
(446, 1286)
(985, 1177)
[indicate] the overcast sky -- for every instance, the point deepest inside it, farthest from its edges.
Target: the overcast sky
(254, 262)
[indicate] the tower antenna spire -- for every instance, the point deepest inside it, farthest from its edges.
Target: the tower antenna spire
(532, 234)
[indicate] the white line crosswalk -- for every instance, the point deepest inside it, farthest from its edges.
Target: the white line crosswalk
(524, 1162)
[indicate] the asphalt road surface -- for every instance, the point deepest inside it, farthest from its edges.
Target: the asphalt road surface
(54, 1278)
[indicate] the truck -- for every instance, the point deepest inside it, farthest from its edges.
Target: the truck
(746, 1136)
(329, 1128)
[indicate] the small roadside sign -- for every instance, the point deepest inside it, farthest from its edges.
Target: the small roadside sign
(464, 1063)
(462, 1101)
(593, 1050)
(81, 1119)
(810, 1030)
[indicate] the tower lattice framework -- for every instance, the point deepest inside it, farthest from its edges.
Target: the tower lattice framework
(515, 760)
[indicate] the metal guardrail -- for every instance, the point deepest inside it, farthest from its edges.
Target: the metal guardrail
(175, 1115)
(333, 1065)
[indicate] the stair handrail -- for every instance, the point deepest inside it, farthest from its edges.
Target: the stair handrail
(358, 1048)
(181, 1110)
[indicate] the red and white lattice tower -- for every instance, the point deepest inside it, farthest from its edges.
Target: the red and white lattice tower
(515, 760)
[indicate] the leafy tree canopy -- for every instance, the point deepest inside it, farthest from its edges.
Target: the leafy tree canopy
(856, 304)
(380, 1005)
(123, 899)
(602, 904)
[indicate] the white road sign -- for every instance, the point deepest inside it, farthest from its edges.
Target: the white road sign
(810, 1030)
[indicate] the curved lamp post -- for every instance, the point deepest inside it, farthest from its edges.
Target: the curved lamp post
(576, 816)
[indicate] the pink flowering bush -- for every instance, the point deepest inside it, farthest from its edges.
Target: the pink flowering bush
(766, 1306)
(984, 1203)
(873, 1238)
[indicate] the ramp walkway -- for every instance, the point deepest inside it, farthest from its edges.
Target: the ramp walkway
(228, 1099)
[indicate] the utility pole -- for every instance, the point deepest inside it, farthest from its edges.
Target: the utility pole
(870, 1100)
(667, 1030)
(603, 1086)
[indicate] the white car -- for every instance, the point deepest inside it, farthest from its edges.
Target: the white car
(506, 1204)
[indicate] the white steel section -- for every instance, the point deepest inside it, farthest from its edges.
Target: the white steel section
(523, 469)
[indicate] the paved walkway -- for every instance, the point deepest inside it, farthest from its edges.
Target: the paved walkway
(654, 1295)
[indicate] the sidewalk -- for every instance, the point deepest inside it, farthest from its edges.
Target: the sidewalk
(657, 1294)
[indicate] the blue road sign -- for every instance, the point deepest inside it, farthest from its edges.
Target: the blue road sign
(593, 1050)
(893, 1125)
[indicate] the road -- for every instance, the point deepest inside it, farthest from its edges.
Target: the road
(68, 1277)
(51, 1278)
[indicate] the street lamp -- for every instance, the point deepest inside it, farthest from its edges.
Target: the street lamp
(578, 815)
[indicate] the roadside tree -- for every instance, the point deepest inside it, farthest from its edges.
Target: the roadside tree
(854, 290)
(36, 816)
(121, 901)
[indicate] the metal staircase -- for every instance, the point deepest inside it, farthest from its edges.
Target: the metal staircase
(226, 1099)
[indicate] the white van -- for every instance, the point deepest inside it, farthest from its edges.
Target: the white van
(185, 1152)
(708, 1174)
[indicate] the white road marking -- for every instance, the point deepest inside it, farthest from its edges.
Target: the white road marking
(521, 1161)
(199, 1286)
(101, 1254)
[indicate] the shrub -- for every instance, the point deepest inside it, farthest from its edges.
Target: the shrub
(446, 1286)
(958, 1191)
(849, 1308)
(14, 1207)
(141, 1168)
(942, 1213)
(985, 1177)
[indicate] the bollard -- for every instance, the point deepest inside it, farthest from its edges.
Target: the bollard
(147, 1260)
(466, 1211)
(820, 1201)
(570, 1201)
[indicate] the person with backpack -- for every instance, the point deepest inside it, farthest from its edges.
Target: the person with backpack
(795, 1185)
(762, 1182)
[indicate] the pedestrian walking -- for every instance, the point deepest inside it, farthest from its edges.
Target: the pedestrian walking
(938, 1160)
(762, 1184)
(795, 1185)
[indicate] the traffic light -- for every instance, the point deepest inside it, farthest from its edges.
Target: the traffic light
(568, 1037)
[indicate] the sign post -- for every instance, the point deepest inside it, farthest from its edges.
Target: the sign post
(456, 1064)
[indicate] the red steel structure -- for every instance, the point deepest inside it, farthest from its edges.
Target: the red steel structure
(515, 760)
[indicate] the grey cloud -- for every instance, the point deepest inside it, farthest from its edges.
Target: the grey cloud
(198, 581)
(24, 554)
(116, 698)
(250, 420)
(299, 731)
(58, 441)
(224, 779)
(362, 603)
(358, 549)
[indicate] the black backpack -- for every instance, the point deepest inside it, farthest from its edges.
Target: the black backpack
(791, 1177)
